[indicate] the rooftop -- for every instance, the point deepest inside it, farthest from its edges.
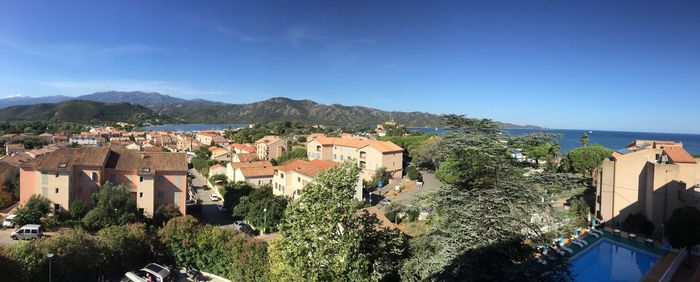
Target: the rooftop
(307, 168)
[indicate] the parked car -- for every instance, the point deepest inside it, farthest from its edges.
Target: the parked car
(28, 232)
(221, 208)
(9, 221)
(384, 202)
(157, 271)
(243, 227)
(214, 197)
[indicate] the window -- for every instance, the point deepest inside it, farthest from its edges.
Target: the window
(56, 208)
(56, 174)
(259, 182)
(160, 194)
(281, 175)
(334, 157)
(141, 210)
(56, 190)
(176, 197)
(140, 194)
(363, 155)
(94, 176)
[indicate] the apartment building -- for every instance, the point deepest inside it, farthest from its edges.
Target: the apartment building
(208, 138)
(65, 175)
(649, 177)
(270, 147)
(242, 148)
(289, 180)
(369, 155)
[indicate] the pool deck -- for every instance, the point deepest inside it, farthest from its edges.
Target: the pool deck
(657, 270)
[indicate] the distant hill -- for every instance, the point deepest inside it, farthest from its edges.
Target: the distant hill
(24, 100)
(83, 111)
(275, 109)
(147, 99)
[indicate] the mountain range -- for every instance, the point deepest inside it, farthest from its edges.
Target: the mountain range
(154, 107)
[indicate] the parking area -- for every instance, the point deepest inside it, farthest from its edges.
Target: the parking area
(5, 239)
(210, 213)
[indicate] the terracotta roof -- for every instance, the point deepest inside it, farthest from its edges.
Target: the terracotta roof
(212, 148)
(267, 171)
(268, 139)
(146, 162)
(215, 166)
(247, 157)
(63, 159)
(17, 158)
(206, 133)
(243, 147)
(14, 146)
(219, 152)
(311, 168)
(382, 146)
(251, 164)
(679, 155)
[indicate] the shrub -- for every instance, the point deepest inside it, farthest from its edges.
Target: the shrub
(164, 213)
(379, 175)
(78, 209)
(233, 192)
(638, 223)
(32, 212)
(113, 206)
(413, 173)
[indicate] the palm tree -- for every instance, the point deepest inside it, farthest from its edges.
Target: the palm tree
(584, 139)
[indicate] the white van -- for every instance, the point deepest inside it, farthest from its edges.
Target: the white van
(28, 232)
(9, 221)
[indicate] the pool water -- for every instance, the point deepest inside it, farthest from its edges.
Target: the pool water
(610, 261)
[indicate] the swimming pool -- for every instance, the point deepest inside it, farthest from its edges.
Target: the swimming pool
(607, 260)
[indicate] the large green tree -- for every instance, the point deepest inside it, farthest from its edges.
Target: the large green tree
(683, 228)
(481, 216)
(325, 238)
(289, 156)
(233, 192)
(584, 159)
(114, 205)
(262, 209)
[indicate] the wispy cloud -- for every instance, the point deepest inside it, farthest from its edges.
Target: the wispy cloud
(237, 35)
(163, 87)
(338, 51)
(73, 51)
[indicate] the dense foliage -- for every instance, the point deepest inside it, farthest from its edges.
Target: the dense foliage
(114, 205)
(481, 215)
(324, 238)
(233, 192)
(584, 159)
(225, 252)
(32, 211)
(164, 213)
(262, 209)
(381, 176)
(638, 223)
(289, 156)
(683, 227)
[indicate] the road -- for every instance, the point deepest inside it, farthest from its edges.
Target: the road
(210, 213)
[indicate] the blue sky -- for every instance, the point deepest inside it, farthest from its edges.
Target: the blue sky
(615, 65)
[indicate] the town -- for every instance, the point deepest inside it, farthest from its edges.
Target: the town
(163, 141)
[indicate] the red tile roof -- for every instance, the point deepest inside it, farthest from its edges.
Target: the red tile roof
(679, 155)
(382, 146)
(311, 168)
(257, 171)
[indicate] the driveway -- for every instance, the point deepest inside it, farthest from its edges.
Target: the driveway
(5, 239)
(210, 213)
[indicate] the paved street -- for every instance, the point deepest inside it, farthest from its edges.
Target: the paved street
(210, 213)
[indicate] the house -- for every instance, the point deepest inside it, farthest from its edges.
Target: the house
(255, 176)
(242, 148)
(65, 175)
(13, 148)
(85, 140)
(369, 155)
(221, 154)
(233, 166)
(211, 137)
(649, 177)
(289, 180)
(270, 147)
(242, 158)
(133, 146)
(217, 169)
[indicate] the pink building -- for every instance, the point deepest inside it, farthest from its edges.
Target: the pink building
(154, 178)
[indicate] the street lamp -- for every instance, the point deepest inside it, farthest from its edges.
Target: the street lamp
(50, 256)
(265, 218)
